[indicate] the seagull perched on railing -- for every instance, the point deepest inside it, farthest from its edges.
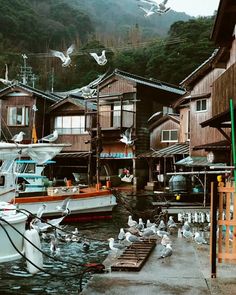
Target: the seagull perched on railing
(18, 137)
(65, 58)
(51, 137)
(100, 59)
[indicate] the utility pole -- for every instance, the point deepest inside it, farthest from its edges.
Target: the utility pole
(98, 143)
(26, 73)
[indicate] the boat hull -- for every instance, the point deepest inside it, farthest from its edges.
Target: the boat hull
(85, 206)
(17, 221)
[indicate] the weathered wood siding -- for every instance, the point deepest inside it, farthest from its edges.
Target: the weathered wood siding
(223, 89)
(232, 58)
(26, 100)
(155, 135)
(201, 135)
(77, 142)
(183, 126)
(117, 85)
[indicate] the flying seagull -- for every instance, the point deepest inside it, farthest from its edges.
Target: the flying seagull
(100, 59)
(65, 58)
(51, 137)
(148, 12)
(18, 137)
(126, 137)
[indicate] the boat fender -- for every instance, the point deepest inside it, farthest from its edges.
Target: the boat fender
(31, 252)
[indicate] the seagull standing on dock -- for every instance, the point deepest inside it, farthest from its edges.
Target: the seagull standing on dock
(51, 137)
(167, 251)
(121, 235)
(132, 238)
(17, 138)
(65, 58)
(199, 240)
(131, 222)
(115, 246)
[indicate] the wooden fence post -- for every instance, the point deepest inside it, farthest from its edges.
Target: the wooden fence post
(213, 232)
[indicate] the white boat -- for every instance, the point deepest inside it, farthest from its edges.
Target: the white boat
(12, 229)
(86, 203)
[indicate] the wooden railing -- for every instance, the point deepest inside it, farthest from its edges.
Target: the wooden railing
(227, 223)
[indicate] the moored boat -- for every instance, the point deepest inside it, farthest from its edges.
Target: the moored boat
(12, 229)
(34, 189)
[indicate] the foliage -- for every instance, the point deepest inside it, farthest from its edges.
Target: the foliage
(133, 43)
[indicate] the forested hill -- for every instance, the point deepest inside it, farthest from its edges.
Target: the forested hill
(166, 47)
(118, 16)
(34, 25)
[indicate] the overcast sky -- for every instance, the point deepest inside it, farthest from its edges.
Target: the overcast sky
(194, 7)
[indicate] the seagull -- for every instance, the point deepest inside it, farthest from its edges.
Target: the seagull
(41, 210)
(171, 223)
(126, 137)
(121, 235)
(88, 92)
(161, 233)
(100, 59)
(51, 137)
(162, 6)
(148, 232)
(162, 225)
(55, 250)
(65, 58)
(6, 81)
(18, 137)
(64, 208)
(165, 240)
(132, 238)
(131, 222)
(186, 226)
(199, 240)
(115, 246)
(167, 251)
(148, 12)
(187, 234)
(140, 225)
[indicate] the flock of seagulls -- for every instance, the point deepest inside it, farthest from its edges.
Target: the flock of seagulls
(154, 7)
(138, 231)
(66, 57)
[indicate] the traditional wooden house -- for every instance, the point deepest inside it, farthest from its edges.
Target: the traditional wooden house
(223, 88)
(125, 103)
(24, 108)
(196, 106)
(67, 116)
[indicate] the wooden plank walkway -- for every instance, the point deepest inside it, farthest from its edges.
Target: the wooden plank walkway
(134, 257)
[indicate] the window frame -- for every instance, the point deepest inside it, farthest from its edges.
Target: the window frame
(24, 114)
(201, 109)
(69, 120)
(169, 131)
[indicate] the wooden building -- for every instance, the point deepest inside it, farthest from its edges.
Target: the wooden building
(21, 109)
(67, 116)
(224, 87)
(126, 102)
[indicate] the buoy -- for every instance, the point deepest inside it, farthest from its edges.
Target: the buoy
(178, 197)
(31, 252)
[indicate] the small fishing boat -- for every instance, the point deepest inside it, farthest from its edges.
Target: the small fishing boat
(12, 229)
(34, 189)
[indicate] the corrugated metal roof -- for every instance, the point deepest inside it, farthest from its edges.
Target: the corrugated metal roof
(197, 161)
(175, 149)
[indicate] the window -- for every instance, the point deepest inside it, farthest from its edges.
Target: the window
(70, 124)
(169, 135)
(18, 116)
(201, 105)
(127, 115)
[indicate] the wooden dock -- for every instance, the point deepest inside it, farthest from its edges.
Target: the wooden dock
(134, 257)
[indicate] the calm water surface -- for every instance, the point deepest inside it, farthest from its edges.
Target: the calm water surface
(14, 278)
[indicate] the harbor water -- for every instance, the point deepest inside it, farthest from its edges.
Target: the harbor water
(63, 276)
